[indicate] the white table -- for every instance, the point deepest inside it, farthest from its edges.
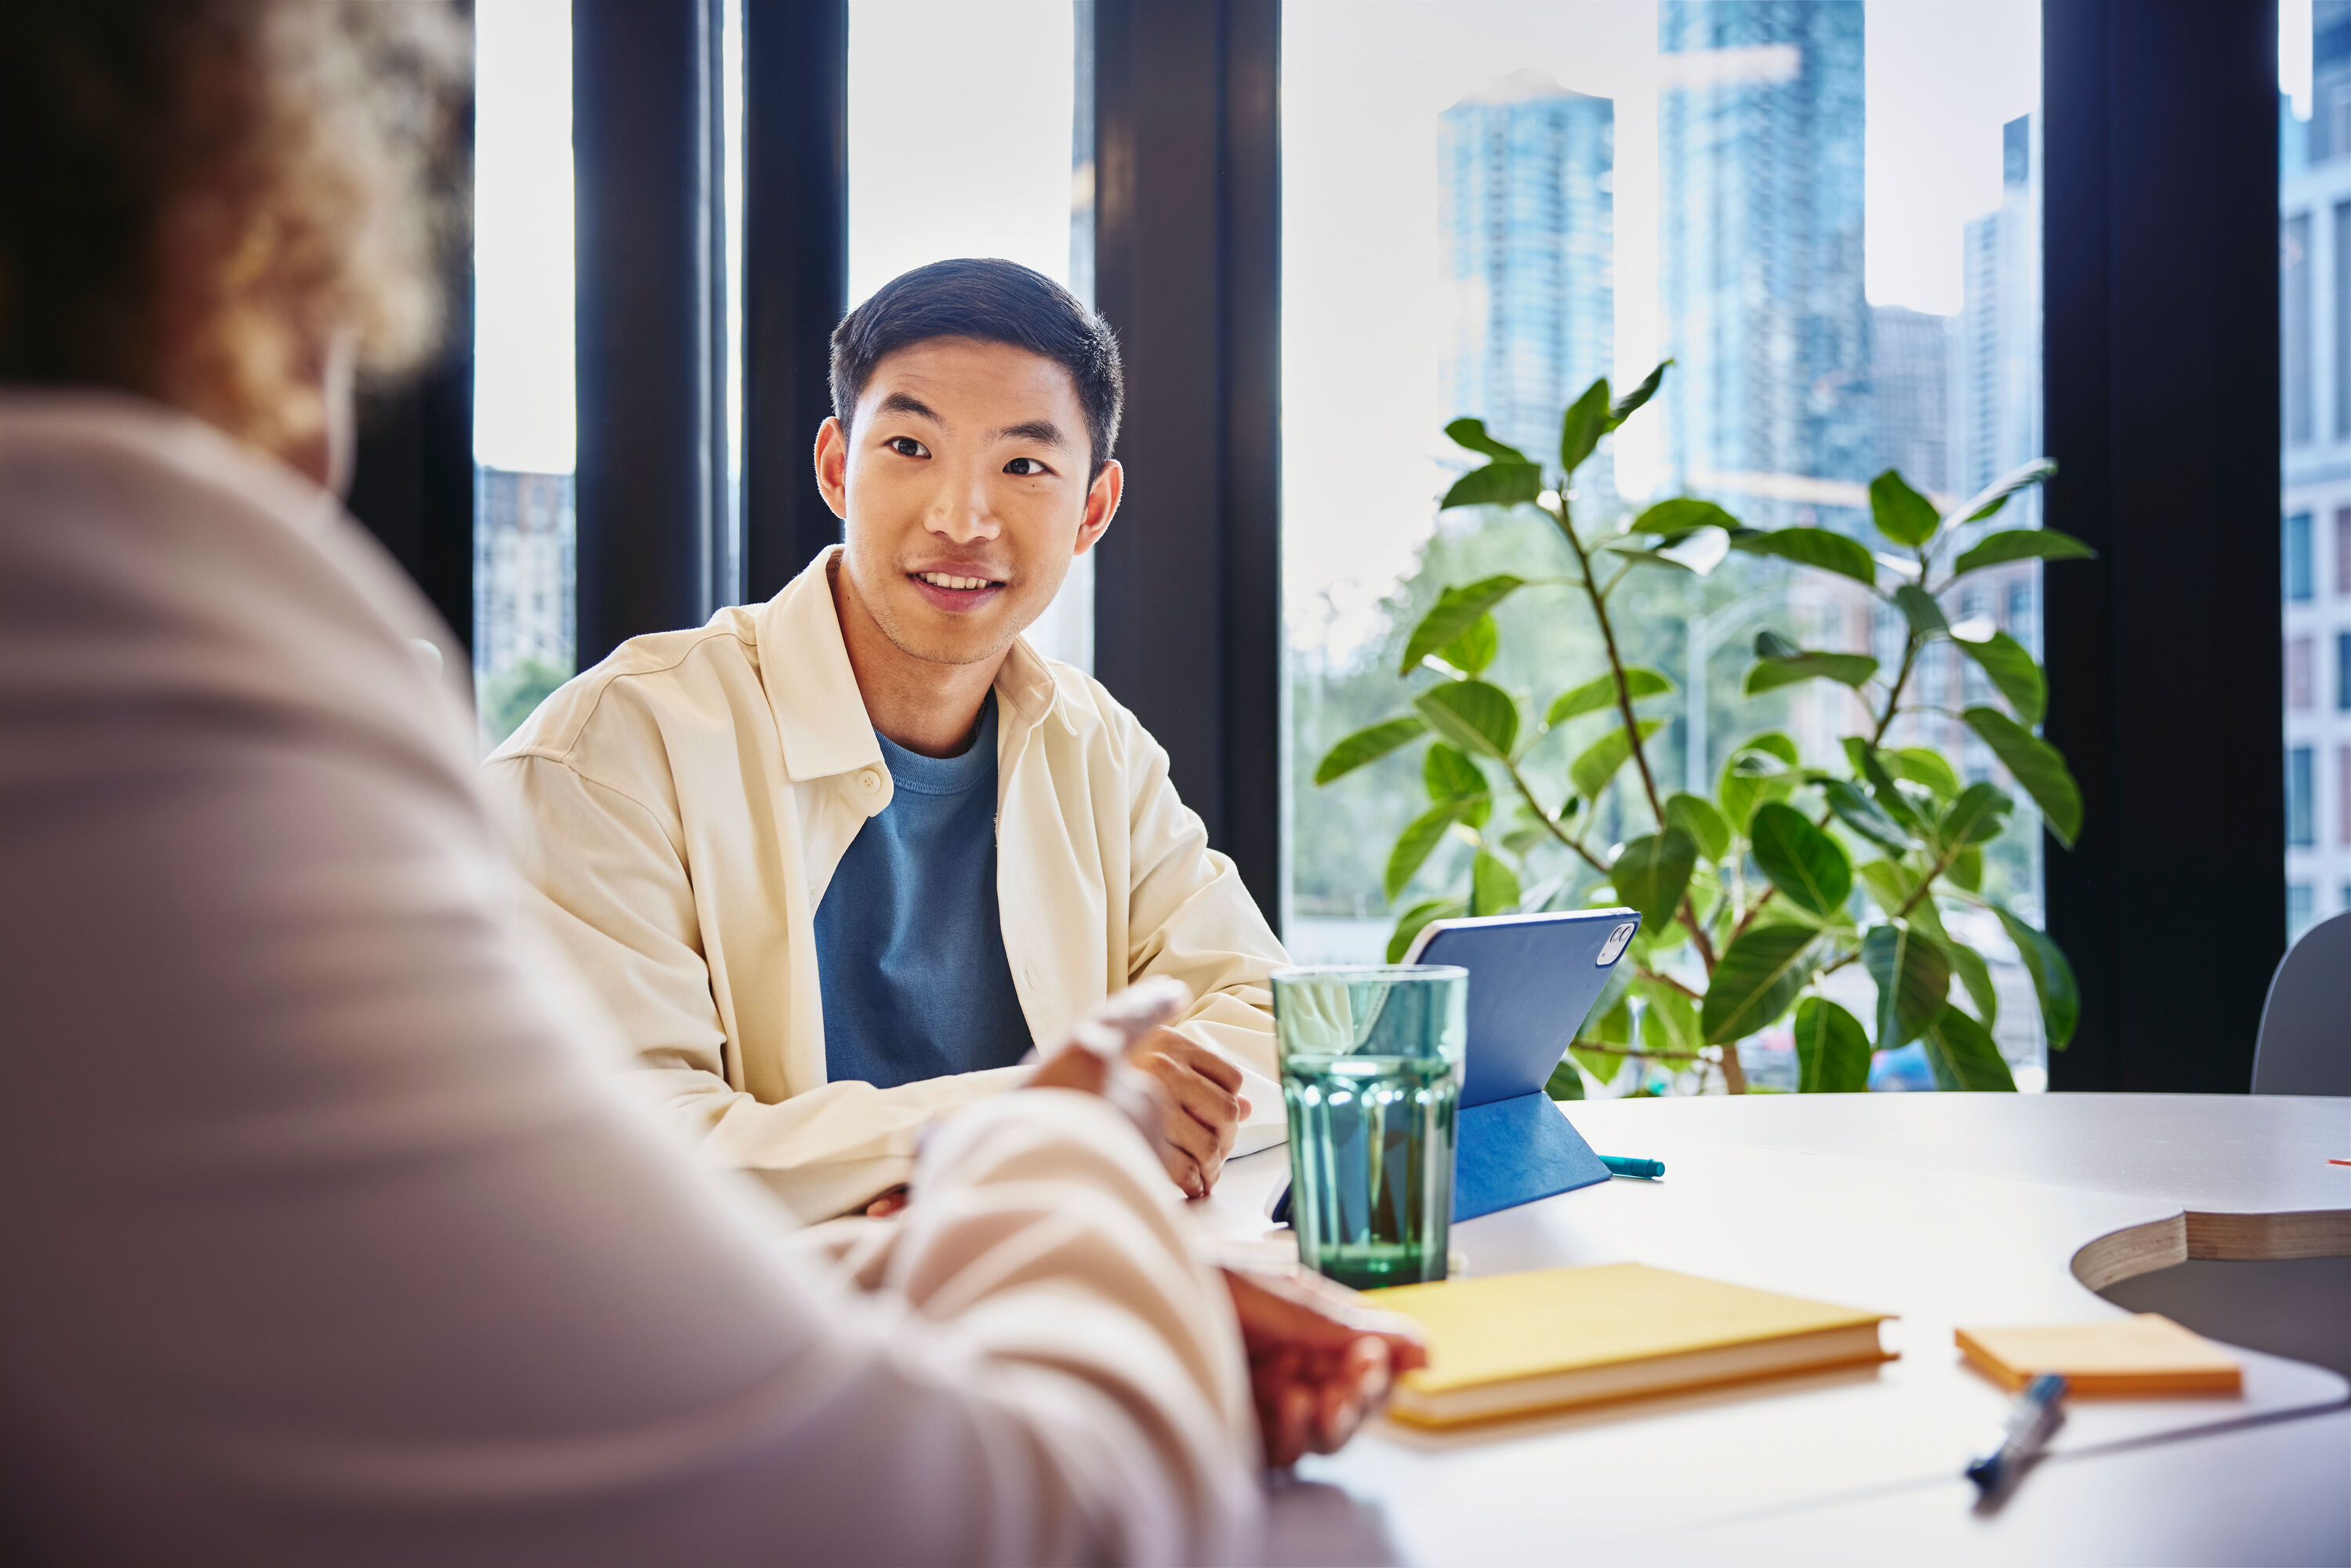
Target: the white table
(1945, 1209)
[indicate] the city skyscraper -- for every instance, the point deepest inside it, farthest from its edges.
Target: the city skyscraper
(1909, 387)
(1524, 175)
(1760, 282)
(1996, 394)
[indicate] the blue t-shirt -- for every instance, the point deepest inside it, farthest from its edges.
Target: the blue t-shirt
(909, 944)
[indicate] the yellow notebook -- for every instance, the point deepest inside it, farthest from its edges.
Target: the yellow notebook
(2148, 1354)
(1511, 1345)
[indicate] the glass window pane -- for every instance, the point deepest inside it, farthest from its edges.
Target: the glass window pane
(523, 414)
(2314, 324)
(962, 142)
(1827, 213)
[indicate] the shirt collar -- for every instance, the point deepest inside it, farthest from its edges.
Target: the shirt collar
(820, 713)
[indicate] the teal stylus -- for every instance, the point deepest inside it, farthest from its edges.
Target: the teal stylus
(1619, 1165)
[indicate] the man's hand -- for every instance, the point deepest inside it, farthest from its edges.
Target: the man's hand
(1319, 1361)
(1204, 1106)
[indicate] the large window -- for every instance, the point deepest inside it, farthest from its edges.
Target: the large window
(2315, 216)
(1825, 212)
(964, 140)
(524, 432)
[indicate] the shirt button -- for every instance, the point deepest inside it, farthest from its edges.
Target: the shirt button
(868, 781)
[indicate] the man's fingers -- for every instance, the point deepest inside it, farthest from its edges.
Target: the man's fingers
(1184, 1172)
(1203, 1101)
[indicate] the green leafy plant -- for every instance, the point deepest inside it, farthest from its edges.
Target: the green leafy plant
(1751, 898)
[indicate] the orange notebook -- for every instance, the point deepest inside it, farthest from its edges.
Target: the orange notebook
(1512, 1344)
(2148, 1354)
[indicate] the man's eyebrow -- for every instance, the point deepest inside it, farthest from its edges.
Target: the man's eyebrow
(902, 402)
(1043, 432)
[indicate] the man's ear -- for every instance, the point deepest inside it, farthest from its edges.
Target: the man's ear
(1101, 504)
(832, 467)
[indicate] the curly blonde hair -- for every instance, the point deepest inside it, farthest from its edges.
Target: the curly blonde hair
(199, 198)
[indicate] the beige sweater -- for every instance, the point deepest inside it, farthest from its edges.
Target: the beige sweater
(328, 1235)
(681, 808)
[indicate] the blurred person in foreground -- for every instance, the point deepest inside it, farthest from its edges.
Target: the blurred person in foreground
(327, 1235)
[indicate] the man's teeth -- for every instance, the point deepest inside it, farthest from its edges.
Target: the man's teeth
(945, 579)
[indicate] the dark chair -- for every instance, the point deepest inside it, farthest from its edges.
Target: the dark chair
(2304, 1047)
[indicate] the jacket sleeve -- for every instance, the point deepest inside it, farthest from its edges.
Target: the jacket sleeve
(610, 885)
(1190, 915)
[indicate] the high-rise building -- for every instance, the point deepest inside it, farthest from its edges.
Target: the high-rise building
(1524, 175)
(1909, 390)
(2314, 323)
(1996, 392)
(1760, 285)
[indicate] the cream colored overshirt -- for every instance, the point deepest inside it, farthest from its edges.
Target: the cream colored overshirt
(682, 807)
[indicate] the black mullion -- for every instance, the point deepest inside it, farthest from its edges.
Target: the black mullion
(795, 272)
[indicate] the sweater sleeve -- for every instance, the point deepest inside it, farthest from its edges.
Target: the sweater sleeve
(331, 1236)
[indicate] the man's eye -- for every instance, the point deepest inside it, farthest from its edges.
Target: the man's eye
(906, 446)
(1026, 467)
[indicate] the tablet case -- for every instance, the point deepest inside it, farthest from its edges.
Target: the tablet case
(1532, 981)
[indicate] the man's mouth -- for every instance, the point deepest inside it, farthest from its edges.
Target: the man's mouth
(954, 590)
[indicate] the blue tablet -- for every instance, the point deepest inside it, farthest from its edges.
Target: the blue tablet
(1532, 981)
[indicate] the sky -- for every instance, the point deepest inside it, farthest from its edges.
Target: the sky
(959, 145)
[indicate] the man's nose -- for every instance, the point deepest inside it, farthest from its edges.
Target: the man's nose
(960, 510)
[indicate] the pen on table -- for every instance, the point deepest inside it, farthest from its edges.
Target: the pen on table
(1618, 1164)
(2030, 1420)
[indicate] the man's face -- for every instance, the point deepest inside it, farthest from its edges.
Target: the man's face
(963, 483)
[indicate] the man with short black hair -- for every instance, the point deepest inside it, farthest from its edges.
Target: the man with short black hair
(839, 860)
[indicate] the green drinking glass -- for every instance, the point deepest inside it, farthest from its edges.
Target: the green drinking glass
(1371, 1071)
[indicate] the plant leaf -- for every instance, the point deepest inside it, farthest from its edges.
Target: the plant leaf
(1695, 815)
(1832, 1049)
(1994, 496)
(1473, 715)
(1582, 427)
(1503, 483)
(1450, 775)
(1635, 554)
(1475, 648)
(1847, 669)
(1595, 694)
(1977, 816)
(1669, 1019)
(1493, 887)
(2037, 765)
(1454, 611)
(1914, 980)
(2021, 544)
(1859, 812)
(2011, 669)
(1804, 863)
(1963, 1055)
(1755, 979)
(1919, 607)
(1590, 773)
(1921, 765)
(1368, 745)
(1564, 1082)
(1902, 514)
(1408, 926)
(1471, 434)
(1653, 871)
(1626, 406)
(1966, 870)
(2053, 978)
(1811, 547)
(1413, 845)
(1871, 765)
(1976, 976)
(1681, 514)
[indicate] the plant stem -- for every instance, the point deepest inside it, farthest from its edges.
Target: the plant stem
(1665, 979)
(1640, 1050)
(1527, 790)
